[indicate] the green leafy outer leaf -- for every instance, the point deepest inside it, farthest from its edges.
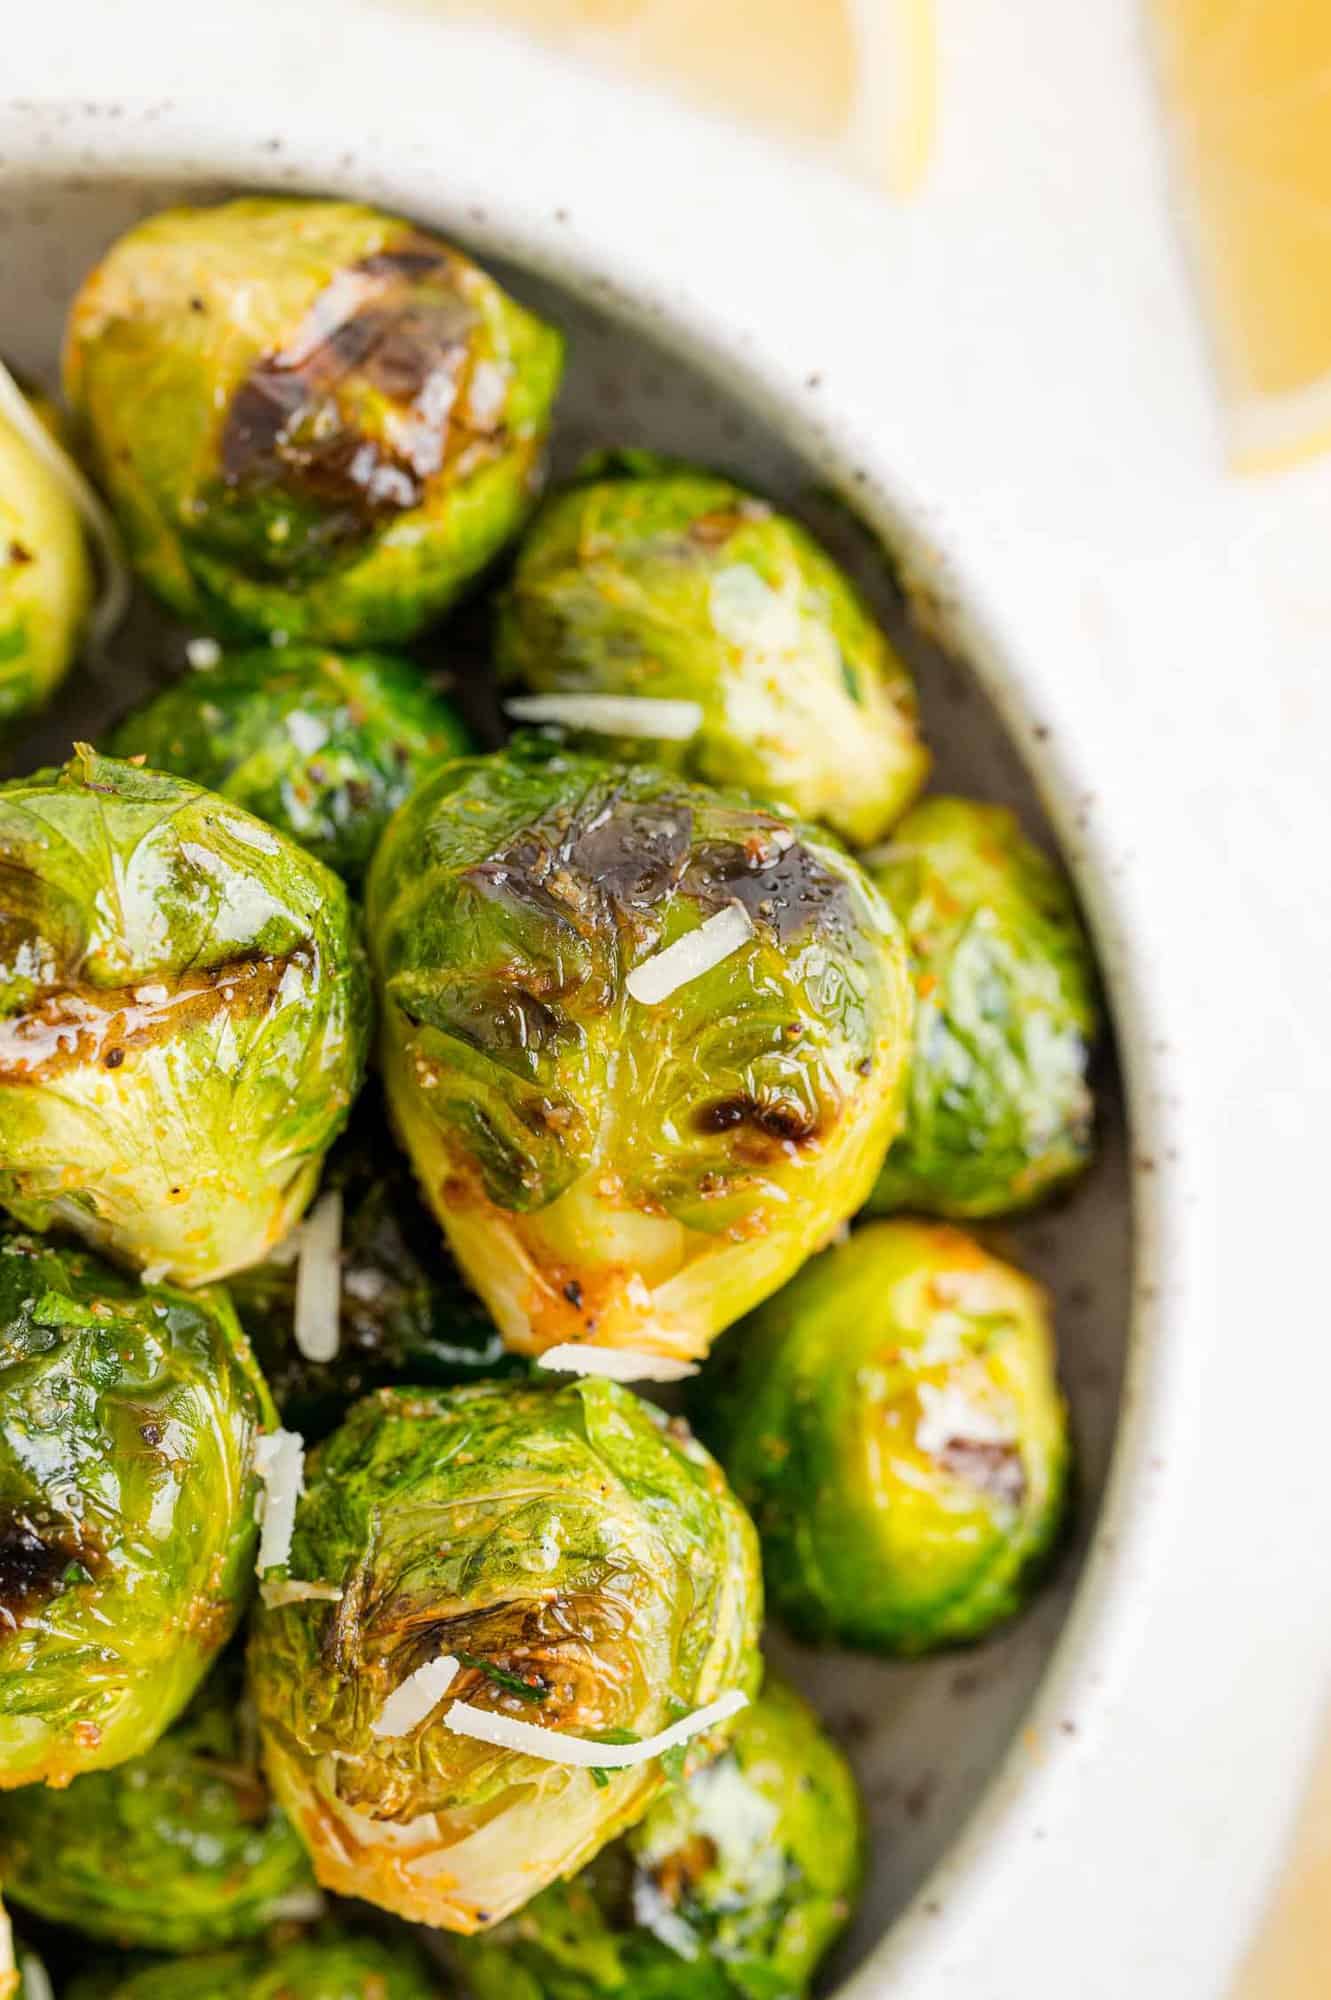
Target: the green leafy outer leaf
(310, 417)
(405, 1316)
(999, 1111)
(45, 577)
(893, 1421)
(649, 578)
(183, 1017)
(604, 1168)
(567, 1534)
(733, 1887)
(177, 1850)
(331, 1964)
(322, 745)
(127, 1495)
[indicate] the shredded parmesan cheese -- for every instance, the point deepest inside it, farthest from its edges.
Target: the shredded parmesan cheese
(612, 714)
(689, 957)
(415, 1697)
(279, 1460)
(302, 1906)
(319, 1280)
(202, 653)
(619, 1364)
(484, 1725)
(36, 1980)
(116, 585)
(281, 1591)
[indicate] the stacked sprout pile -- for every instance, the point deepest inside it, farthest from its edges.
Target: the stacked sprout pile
(659, 998)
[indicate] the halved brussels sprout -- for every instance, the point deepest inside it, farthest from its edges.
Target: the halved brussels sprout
(404, 1314)
(46, 582)
(625, 1142)
(647, 577)
(585, 1563)
(893, 1420)
(183, 1017)
(332, 1964)
(128, 1422)
(322, 745)
(310, 417)
(734, 1886)
(999, 1112)
(177, 1850)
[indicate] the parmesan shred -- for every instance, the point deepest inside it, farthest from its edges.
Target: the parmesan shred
(691, 956)
(202, 653)
(281, 1591)
(6, 1942)
(114, 601)
(36, 1980)
(412, 1700)
(279, 1460)
(319, 1280)
(619, 1364)
(612, 714)
(484, 1725)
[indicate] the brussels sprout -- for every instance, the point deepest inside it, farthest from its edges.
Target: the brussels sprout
(999, 1110)
(176, 1850)
(310, 417)
(45, 576)
(183, 1017)
(586, 1564)
(607, 1166)
(894, 1422)
(652, 578)
(405, 1314)
(128, 1420)
(736, 1883)
(321, 745)
(333, 1964)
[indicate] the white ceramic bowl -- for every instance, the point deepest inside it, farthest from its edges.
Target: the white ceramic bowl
(700, 334)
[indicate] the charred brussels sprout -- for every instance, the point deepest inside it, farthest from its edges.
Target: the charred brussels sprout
(583, 1561)
(322, 745)
(45, 576)
(128, 1421)
(999, 1110)
(310, 417)
(653, 579)
(733, 1887)
(893, 1420)
(332, 1964)
(616, 1157)
(178, 1850)
(404, 1314)
(183, 1017)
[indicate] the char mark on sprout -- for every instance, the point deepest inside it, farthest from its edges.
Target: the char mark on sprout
(37, 1554)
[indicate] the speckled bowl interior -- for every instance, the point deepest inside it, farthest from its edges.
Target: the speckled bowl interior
(925, 1737)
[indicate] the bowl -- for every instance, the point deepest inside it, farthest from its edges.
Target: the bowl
(965, 1759)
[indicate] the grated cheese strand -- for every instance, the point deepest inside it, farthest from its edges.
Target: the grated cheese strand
(612, 714)
(412, 1700)
(617, 1364)
(317, 1323)
(691, 956)
(279, 1460)
(484, 1725)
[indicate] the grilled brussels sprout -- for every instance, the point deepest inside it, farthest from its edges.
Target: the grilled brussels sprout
(588, 1567)
(332, 1964)
(734, 1886)
(654, 579)
(322, 745)
(45, 576)
(613, 1162)
(180, 1849)
(999, 1111)
(310, 417)
(404, 1314)
(128, 1421)
(183, 1017)
(893, 1420)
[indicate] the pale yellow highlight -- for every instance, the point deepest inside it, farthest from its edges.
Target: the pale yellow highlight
(1291, 1959)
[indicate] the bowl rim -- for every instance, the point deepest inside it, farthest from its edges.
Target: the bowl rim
(221, 144)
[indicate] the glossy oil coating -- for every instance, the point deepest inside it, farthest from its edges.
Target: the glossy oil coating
(45, 576)
(584, 1560)
(183, 1017)
(893, 1421)
(311, 417)
(607, 1169)
(128, 1423)
(647, 577)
